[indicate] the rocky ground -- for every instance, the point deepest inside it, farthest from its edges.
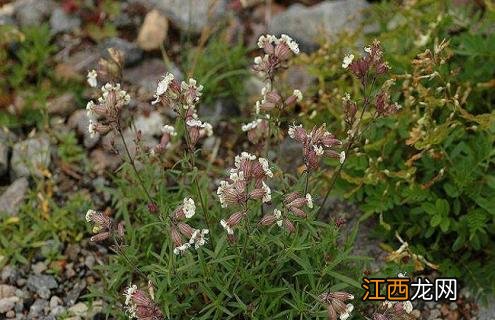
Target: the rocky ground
(47, 288)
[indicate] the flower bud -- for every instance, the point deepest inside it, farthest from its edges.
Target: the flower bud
(100, 236)
(268, 220)
(185, 229)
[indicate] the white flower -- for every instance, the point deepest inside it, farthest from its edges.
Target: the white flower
(90, 214)
(267, 197)
(347, 97)
(162, 87)
(298, 94)
(181, 249)
(243, 156)
(198, 238)
(169, 129)
(208, 129)
(90, 110)
(367, 50)
(236, 175)
(220, 193)
(251, 125)
(265, 90)
(257, 107)
(310, 200)
(278, 214)
(128, 293)
(347, 60)
(408, 307)
(342, 157)
(92, 129)
(266, 167)
(293, 46)
(258, 60)
(319, 150)
(91, 78)
(263, 39)
(292, 130)
(226, 227)
(189, 207)
(347, 312)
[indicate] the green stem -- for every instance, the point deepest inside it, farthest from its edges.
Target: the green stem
(355, 136)
(133, 165)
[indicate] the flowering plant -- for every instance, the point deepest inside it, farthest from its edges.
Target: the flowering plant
(274, 257)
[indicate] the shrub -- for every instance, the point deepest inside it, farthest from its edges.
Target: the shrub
(428, 172)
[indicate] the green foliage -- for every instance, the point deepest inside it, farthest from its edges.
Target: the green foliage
(32, 55)
(69, 150)
(41, 221)
(267, 273)
(220, 67)
(429, 171)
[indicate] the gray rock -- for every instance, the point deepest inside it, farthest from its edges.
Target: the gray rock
(7, 291)
(132, 53)
(33, 12)
(39, 267)
(55, 301)
(9, 274)
(147, 74)
(7, 304)
(30, 156)
(75, 292)
(11, 199)
(89, 261)
(307, 24)
(290, 155)
(60, 21)
(80, 121)
(57, 311)
(190, 15)
(6, 20)
(487, 310)
(82, 61)
(253, 86)
(299, 78)
(41, 284)
(80, 309)
(37, 308)
(221, 109)
(63, 105)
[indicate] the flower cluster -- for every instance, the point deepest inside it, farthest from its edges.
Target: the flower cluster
(383, 105)
(196, 129)
(316, 144)
(246, 182)
(394, 310)
(257, 130)
(277, 51)
(167, 133)
(336, 304)
(104, 115)
(170, 91)
(104, 227)
(180, 229)
(293, 202)
(183, 96)
(139, 305)
(271, 99)
(372, 61)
